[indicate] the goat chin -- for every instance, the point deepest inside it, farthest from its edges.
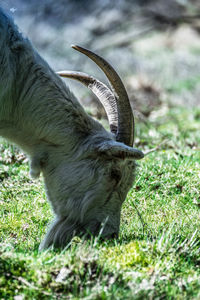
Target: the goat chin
(62, 230)
(60, 233)
(87, 170)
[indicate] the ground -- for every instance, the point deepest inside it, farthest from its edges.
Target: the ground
(157, 254)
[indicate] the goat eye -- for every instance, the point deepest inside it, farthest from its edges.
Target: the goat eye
(116, 175)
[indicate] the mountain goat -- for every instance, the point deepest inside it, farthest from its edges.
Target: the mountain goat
(87, 170)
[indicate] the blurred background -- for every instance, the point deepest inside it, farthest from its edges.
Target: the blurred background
(153, 44)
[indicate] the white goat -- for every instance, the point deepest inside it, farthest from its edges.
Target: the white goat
(87, 170)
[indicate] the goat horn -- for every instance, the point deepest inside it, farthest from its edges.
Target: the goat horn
(102, 92)
(125, 132)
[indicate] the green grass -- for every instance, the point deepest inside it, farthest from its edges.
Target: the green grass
(187, 84)
(157, 255)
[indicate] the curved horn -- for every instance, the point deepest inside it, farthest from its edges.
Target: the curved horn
(102, 92)
(125, 132)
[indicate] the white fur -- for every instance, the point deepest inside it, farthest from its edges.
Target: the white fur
(85, 171)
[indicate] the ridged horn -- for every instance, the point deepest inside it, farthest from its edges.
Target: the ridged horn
(102, 92)
(125, 132)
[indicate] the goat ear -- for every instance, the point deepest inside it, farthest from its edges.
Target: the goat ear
(118, 150)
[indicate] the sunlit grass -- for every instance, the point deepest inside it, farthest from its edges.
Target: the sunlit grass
(157, 253)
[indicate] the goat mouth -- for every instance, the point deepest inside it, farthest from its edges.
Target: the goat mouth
(99, 230)
(113, 235)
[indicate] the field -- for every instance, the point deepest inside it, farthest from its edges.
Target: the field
(157, 255)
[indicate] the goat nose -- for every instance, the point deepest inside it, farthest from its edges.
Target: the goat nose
(114, 235)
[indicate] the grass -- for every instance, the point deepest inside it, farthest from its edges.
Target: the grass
(157, 255)
(185, 85)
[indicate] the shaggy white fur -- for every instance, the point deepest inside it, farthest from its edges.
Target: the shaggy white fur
(87, 173)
